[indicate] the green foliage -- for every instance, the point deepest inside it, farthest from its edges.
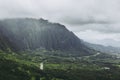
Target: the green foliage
(25, 66)
(12, 68)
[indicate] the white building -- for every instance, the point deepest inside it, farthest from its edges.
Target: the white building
(41, 66)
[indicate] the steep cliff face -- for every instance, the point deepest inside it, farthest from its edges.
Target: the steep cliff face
(22, 34)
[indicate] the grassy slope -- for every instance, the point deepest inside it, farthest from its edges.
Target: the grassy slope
(22, 67)
(13, 68)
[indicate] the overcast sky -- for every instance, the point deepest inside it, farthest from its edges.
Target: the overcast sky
(95, 21)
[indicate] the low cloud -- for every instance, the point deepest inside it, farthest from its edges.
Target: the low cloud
(104, 28)
(101, 16)
(107, 39)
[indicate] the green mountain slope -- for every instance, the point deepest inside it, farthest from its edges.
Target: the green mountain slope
(13, 68)
(25, 43)
(32, 34)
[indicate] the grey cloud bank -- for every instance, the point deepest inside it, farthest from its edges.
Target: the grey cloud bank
(88, 19)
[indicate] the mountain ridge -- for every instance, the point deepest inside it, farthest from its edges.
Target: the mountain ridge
(29, 33)
(102, 48)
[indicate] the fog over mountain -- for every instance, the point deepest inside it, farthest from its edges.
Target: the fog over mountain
(23, 34)
(95, 21)
(59, 39)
